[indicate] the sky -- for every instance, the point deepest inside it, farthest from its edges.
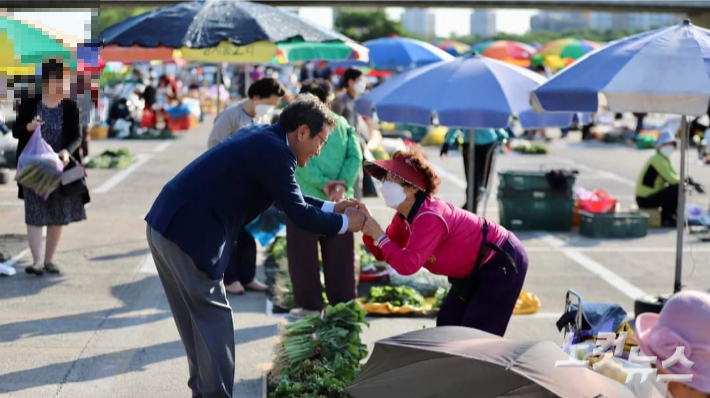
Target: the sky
(448, 20)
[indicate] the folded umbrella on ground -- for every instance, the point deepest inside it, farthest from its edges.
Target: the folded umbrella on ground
(462, 362)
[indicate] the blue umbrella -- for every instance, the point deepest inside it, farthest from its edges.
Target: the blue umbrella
(467, 92)
(665, 70)
(401, 53)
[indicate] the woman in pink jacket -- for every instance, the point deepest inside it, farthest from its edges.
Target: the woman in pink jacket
(485, 263)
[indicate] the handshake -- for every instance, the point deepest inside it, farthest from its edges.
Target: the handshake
(359, 217)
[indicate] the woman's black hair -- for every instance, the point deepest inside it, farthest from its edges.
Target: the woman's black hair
(52, 69)
(350, 74)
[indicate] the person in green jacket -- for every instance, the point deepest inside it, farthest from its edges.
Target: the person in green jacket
(486, 140)
(657, 186)
(331, 177)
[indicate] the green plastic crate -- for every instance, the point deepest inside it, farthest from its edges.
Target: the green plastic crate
(548, 213)
(528, 180)
(613, 225)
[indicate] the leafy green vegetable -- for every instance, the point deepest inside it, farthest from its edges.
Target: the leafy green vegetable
(366, 258)
(320, 355)
(398, 296)
(111, 159)
(439, 297)
(531, 149)
(277, 249)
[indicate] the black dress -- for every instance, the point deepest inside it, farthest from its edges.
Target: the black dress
(58, 209)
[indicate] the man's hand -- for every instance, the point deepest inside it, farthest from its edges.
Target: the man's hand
(356, 219)
(372, 228)
(341, 206)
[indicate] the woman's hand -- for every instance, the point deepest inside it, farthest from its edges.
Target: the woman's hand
(64, 156)
(337, 193)
(32, 126)
(372, 228)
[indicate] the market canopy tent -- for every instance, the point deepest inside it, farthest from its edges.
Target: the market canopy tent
(459, 362)
(24, 46)
(664, 71)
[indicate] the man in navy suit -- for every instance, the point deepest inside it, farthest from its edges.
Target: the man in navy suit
(195, 221)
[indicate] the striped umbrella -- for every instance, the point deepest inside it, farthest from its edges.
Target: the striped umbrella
(24, 46)
(453, 47)
(558, 54)
(513, 52)
(661, 71)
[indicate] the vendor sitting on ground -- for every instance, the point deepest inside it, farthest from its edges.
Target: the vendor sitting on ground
(485, 263)
(657, 185)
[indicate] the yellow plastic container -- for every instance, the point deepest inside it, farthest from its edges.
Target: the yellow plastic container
(435, 137)
(99, 132)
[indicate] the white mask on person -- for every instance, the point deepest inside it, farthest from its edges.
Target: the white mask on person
(393, 194)
(262, 110)
(360, 87)
(667, 150)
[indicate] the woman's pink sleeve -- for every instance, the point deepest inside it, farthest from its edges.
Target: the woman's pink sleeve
(427, 233)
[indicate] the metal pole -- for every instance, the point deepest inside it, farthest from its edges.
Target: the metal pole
(471, 168)
(681, 206)
(219, 86)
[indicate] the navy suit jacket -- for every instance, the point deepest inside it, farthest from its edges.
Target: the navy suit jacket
(204, 208)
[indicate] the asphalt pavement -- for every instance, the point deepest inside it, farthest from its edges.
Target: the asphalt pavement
(103, 327)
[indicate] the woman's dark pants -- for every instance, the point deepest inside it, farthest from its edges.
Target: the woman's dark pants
(493, 299)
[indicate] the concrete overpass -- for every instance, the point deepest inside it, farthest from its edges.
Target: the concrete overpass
(697, 10)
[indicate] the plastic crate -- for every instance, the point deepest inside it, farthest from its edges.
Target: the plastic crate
(548, 213)
(613, 225)
(533, 194)
(528, 180)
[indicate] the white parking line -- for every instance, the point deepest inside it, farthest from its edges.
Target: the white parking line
(121, 175)
(162, 147)
(541, 249)
(616, 281)
(147, 266)
(461, 183)
(595, 171)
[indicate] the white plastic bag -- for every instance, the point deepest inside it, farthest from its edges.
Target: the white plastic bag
(39, 167)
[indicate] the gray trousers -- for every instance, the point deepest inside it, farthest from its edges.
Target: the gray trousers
(202, 315)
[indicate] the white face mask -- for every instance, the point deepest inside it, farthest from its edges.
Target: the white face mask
(667, 151)
(360, 87)
(262, 110)
(393, 194)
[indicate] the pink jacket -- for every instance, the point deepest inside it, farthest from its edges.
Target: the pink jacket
(442, 238)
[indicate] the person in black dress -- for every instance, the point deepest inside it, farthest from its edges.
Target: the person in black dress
(59, 118)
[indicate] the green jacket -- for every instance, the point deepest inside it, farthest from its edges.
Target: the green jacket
(657, 173)
(340, 160)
